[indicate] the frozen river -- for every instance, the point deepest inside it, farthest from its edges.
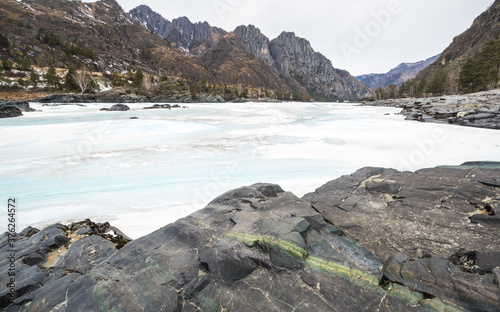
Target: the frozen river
(74, 162)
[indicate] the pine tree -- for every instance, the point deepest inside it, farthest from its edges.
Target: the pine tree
(69, 80)
(51, 76)
(138, 78)
(4, 42)
(34, 77)
(436, 84)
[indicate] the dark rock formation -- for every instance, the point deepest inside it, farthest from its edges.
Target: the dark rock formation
(22, 105)
(397, 76)
(117, 108)
(426, 212)
(47, 262)
(9, 111)
(259, 248)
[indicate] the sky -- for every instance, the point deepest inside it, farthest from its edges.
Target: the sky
(361, 36)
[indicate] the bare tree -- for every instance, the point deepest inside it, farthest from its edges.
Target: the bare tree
(82, 78)
(149, 81)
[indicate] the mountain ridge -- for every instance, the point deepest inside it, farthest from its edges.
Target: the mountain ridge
(397, 75)
(303, 68)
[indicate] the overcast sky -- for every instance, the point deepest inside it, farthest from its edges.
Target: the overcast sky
(361, 36)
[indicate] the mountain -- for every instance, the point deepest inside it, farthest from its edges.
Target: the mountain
(397, 75)
(468, 44)
(295, 58)
(192, 38)
(292, 58)
(231, 64)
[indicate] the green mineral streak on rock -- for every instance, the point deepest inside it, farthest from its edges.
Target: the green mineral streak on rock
(438, 306)
(164, 276)
(403, 293)
(355, 276)
(198, 222)
(100, 296)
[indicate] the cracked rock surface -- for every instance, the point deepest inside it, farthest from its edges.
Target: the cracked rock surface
(377, 240)
(480, 110)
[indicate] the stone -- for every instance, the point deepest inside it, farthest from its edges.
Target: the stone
(9, 111)
(118, 108)
(425, 212)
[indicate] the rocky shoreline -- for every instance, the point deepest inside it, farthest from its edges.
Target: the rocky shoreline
(376, 240)
(481, 110)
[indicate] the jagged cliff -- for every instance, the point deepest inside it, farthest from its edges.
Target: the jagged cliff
(193, 38)
(397, 75)
(256, 44)
(295, 58)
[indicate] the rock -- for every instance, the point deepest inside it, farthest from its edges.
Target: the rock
(159, 106)
(260, 248)
(425, 212)
(480, 110)
(9, 111)
(22, 105)
(57, 98)
(437, 277)
(50, 260)
(118, 108)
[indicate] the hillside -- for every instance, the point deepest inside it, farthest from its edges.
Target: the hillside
(99, 35)
(397, 75)
(468, 44)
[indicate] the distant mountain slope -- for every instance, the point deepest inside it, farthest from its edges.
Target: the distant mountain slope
(397, 75)
(468, 44)
(99, 35)
(300, 68)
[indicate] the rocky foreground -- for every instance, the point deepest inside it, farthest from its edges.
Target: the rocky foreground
(377, 240)
(481, 110)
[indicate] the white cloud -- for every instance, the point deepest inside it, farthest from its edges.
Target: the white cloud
(423, 28)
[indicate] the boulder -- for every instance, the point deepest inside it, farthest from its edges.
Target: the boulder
(9, 111)
(117, 108)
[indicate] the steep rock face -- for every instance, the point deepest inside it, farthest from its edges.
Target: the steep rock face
(256, 44)
(397, 76)
(295, 58)
(466, 45)
(233, 65)
(194, 38)
(259, 248)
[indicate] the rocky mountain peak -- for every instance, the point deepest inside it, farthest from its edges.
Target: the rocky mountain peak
(193, 38)
(255, 43)
(295, 58)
